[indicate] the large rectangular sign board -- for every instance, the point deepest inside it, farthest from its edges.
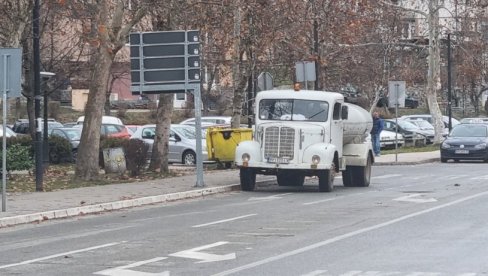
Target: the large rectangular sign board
(396, 93)
(11, 71)
(164, 61)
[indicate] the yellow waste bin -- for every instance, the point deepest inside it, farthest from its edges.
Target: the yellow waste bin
(222, 143)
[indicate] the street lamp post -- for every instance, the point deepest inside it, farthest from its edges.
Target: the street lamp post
(45, 142)
(449, 80)
(37, 94)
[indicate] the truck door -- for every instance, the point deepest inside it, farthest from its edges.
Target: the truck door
(336, 128)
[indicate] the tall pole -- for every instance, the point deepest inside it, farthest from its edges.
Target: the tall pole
(449, 93)
(316, 46)
(37, 95)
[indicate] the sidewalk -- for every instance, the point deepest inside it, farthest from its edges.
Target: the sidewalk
(35, 207)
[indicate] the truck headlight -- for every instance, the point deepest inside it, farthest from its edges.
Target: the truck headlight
(315, 159)
(480, 146)
(246, 157)
(446, 145)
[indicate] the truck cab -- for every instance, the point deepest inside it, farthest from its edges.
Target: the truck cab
(306, 133)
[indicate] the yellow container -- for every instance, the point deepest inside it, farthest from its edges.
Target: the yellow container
(222, 143)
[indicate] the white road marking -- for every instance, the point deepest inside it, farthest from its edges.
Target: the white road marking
(482, 177)
(221, 221)
(278, 196)
(346, 236)
(410, 198)
(386, 176)
(420, 177)
(314, 273)
(195, 253)
(320, 201)
(61, 254)
(450, 177)
(124, 271)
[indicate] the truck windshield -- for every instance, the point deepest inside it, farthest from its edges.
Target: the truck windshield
(293, 110)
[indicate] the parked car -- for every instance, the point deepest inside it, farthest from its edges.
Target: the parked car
(216, 120)
(132, 128)
(22, 125)
(428, 118)
(466, 142)
(474, 121)
(105, 120)
(412, 134)
(111, 130)
(70, 124)
(9, 132)
(73, 135)
(387, 139)
(182, 143)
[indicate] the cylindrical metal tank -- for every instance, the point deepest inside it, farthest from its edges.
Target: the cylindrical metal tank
(358, 124)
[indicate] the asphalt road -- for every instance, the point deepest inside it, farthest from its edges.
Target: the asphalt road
(413, 220)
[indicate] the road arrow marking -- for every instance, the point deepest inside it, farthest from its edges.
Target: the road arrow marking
(279, 196)
(410, 198)
(124, 271)
(195, 253)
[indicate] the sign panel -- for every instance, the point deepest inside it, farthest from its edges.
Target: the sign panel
(305, 71)
(164, 61)
(265, 81)
(11, 71)
(396, 93)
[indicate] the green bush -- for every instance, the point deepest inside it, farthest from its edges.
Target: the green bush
(18, 158)
(60, 150)
(135, 156)
(112, 142)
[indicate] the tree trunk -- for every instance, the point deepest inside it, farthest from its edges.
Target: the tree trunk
(159, 155)
(87, 163)
(433, 78)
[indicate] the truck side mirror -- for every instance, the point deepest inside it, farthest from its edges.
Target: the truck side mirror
(344, 112)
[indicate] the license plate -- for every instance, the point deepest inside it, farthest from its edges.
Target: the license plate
(462, 151)
(278, 160)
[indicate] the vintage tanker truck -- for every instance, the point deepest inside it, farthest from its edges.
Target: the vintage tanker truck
(307, 133)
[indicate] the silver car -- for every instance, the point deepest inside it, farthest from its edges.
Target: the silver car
(182, 143)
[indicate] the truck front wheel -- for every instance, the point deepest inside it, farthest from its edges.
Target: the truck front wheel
(248, 179)
(326, 180)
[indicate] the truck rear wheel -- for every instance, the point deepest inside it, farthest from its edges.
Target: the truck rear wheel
(361, 175)
(248, 179)
(326, 180)
(347, 177)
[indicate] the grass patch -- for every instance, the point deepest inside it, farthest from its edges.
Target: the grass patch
(412, 149)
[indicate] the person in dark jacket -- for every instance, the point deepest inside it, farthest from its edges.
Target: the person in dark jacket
(375, 133)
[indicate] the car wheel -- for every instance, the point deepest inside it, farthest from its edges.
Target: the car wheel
(189, 158)
(443, 160)
(347, 177)
(362, 175)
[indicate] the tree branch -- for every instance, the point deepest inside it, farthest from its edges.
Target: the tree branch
(403, 8)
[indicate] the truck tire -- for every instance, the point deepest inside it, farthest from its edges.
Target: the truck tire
(248, 179)
(326, 180)
(289, 178)
(361, 175)
(347, 177)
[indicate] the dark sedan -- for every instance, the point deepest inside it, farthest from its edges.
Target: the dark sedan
(466, 142)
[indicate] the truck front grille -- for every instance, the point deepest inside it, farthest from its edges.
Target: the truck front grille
(278, 142)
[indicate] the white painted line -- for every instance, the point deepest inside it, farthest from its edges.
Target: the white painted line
(386, 176)
(314, 273)
(124, 271)
(482, 177)
(410, 198)
(221, 221)
(195, 253)
(61, 254)
(320, 201)
(346, 236)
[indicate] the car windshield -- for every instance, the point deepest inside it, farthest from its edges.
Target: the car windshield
(293, 110)
(423, 124)
(469, 131)
(185, 131)
(73, 134)
(407, 125)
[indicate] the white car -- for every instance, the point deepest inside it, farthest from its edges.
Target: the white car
(209, 120)
(182, 143)
(387, 139)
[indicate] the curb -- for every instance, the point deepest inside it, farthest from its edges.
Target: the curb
(116, 205)
(430, 160)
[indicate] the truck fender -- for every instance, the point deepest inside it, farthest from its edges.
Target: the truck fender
(325, 151)
(250, 147)
(357, 154)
